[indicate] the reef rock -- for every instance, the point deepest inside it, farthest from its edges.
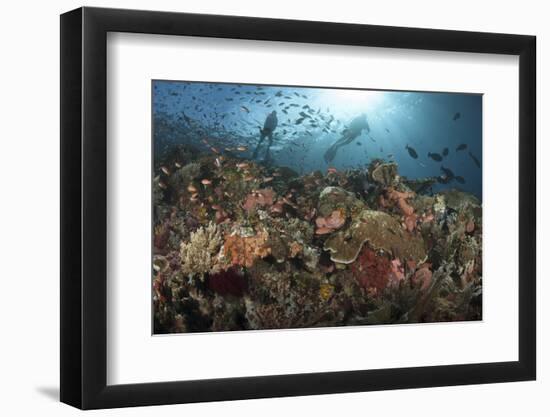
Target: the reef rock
(330, 223)
(384, 174)
(333, 199)
(182, 177)
(460, 201)
(258, 198)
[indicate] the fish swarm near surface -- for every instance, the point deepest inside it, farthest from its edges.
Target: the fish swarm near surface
(244, 246)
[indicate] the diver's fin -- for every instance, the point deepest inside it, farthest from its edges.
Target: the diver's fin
(330, 154)
(255, 154)
(256, 150)
(258, 146)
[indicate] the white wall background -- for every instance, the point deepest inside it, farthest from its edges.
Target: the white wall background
(29, 225)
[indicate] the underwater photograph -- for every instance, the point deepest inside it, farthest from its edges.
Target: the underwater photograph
(283, 207)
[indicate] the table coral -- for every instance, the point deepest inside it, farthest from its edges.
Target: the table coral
(382, 231)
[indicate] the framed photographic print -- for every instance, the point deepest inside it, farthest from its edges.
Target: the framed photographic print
(257, 208)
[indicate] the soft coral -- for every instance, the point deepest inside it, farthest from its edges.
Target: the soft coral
(399, 198)
(372, 272)
(228, 282)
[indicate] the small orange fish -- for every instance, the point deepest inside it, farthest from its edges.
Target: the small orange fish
(191, 188)
(206, 182)
(242, 165)
(332, 170)
(165, 170)
(277, 207)
(323, 230)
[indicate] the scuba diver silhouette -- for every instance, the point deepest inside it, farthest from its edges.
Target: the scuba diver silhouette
(267, 132)
(353, 131)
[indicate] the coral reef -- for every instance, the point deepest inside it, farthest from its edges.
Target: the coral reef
(239, 245)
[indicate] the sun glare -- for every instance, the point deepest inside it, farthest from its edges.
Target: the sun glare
(353, 100)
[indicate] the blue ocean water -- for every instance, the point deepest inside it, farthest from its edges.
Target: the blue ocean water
(443, 130)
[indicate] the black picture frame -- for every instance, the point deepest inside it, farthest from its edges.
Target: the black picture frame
(84, 207)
